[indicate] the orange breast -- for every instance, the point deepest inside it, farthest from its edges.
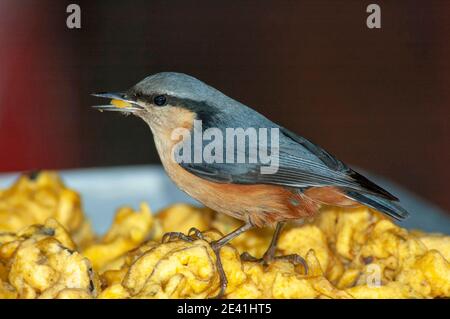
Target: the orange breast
(259, 204)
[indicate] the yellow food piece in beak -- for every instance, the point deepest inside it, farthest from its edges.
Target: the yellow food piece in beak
(120, 104)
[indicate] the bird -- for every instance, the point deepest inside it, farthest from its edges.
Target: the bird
(305, 178)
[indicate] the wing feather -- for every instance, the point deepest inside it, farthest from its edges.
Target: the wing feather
(302, 164)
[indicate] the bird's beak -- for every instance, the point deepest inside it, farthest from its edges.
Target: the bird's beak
(119, 102)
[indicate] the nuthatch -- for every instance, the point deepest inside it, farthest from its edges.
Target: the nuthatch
(306, 177)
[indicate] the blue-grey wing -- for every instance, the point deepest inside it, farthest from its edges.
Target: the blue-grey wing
(301, 164)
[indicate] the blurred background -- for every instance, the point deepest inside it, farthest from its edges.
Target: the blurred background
(375, 98)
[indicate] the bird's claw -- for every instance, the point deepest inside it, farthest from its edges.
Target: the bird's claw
(245, 256)
(168, 237)
(295, 259)
(192, 235)
(196, 233)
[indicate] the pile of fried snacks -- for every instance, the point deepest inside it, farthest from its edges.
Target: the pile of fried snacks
(48, 250)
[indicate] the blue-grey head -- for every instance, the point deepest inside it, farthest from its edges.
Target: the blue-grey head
(168, 100)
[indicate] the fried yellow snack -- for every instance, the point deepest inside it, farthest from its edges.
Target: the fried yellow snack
(182, 269)
(350, 253)
(34, 199)
(173, 270)
(428, 275)
(7, 291)
(438, 242)
(115, 291)
(341, 260)
(390, 290)
(41, 263)
(129, 230)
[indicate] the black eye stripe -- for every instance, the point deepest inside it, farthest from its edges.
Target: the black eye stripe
(160, 100)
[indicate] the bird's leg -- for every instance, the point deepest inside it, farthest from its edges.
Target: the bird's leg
(270, 252)
(269, 255)
(216, 246)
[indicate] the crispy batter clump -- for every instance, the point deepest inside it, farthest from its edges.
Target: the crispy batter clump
(351, 253)
(35, 197)
(128, 231)
(40, 262)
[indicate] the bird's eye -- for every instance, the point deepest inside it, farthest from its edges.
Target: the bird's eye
(160, 100)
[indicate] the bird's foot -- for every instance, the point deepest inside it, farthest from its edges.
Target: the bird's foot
(267, 258)
(215, 245)
(171, 236)
(192, 235)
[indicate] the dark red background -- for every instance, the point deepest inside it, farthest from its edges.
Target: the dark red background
(378, 99)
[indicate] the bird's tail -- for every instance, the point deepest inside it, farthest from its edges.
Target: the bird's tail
(389, 207)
